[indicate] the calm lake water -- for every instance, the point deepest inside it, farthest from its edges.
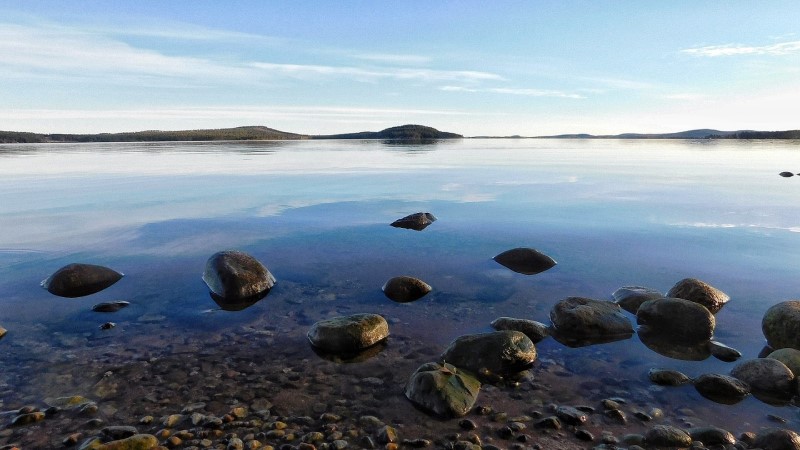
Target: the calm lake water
(317, 214)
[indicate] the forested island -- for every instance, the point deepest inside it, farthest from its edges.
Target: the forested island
(249, 133)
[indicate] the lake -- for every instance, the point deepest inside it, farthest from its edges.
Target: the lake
(317, 214)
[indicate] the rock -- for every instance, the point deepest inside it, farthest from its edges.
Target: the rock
(630, 298)
(536, 331)
(110, 306)
(75, 401)
(580, 321)
(766, 375)
(700, 292)
(781, 325)
(118, 432)
(777, 439)
(417, 221)
(499, 352)
(570, 415)
(235, 278)
(3, 332)
(405, 289)
(665, 344)
(712, 436)
(107, 325)
(666, 377)
(526, 261)
(442, 390)
(682, 320)
(348, 334)
(724, 353)
(786, 174)
(721, 388)
(789, 357)
(27, 418)
(667, 436)
(78, 280)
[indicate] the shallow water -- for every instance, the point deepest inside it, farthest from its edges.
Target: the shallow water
(612, 213)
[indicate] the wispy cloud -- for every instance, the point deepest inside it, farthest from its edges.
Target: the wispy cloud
(782, 48)
(372, 74)
(398, 59)
(515, 91)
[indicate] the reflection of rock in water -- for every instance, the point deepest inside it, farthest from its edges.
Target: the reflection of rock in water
(665, 344)
(352, 357)
(237, 304)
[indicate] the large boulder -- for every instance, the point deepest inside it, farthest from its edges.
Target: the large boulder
(417, 221)
(781, 325)
(78, 280)
(442, 390)
(630, 298)
(777, 439)
(536, 331)
(766, 375)
(720, 388)
(684, 321)
(498, 353)
(789, 357)
(348, 334)
(234, 276)
(405, 289)
(700, 292)
(578, 320)
(526, 261)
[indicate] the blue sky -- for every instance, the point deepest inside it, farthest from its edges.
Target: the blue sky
(472, 67)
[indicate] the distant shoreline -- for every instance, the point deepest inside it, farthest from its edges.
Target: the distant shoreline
(413, 133)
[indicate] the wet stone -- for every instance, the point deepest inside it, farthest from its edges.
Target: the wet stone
(777, 439)
(442, 390)
(699, 292)
(766, 375)
(79, 280)
(681, 320)
(109, 307)
(405, 289)
(348, 334)
(467, 424)
(118, 432)
(712, 435)
(527, 261)
(234, 277)
(616, 416)
(630, 298)
(721, 388)
(724, 353)
(665, 377)
(570, 415)
(499, 352)
(667, 436)
(550, 423)
(595, 321)
(584, 435)
(789, 357)
(786, 174)
(536, 331)
(781, 325)
(417, 221)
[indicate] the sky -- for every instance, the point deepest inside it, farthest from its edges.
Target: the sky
(472, 67)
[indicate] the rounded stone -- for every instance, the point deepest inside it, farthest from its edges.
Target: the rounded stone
(78, 280)
(665, 377)
(789, 357)
(765, 375)
(417, 221)
(527, 261)
(585, 318)
(536, 331)
(233, 275)
(630, 298)
(348, 334)
(442, 390)
(681, 320)
(724, 353)
(721, 388)
(712, 436)
(786, 174)
(405, 289)
(777, 439)
(3, 332)
(781, 325)
(699, 292)
(667, 436)
(498, 353)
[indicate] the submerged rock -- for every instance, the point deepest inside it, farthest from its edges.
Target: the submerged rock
(582, 321)
(667, 436)
(665, 377)
(234, 276)
(500, 352)
(777, 439)
(348, 334)
(135, 442)
(417, 221)
(781, 325)
(789, 357)
(766, 375)
(700, 292)
(682, 320)
(526, 261)
(630, 298)
(405, 289)
(667, 345)
(78, 280)
(720, 388)
(724, 353)
(536, 331)
(110, 306)
(442, 390)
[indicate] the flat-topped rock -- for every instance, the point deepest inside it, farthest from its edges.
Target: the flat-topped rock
(348, 334)
(79, 280)
(528, 261)
(500, 352)
(699, 292)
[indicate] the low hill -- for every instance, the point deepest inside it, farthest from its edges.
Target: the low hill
(704, 133)
(401, 133)
(222, 134)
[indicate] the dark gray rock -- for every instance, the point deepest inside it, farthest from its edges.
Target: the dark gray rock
(700, 292)
(721, 388)
(442, 390)
(781, 325)
(348, 334)
(78, 280)
(789, 357)
(536, 331)
(667, 436)
(682, 320)
(417, 221)
(499, 353)
(766, 375)
(786, 174)
(110, 306)
(665, 377)
(526, 261)
(570, 415)
(777, 439)
(724, 353)
(405, 289)
(584, 319)
(118, 432)
(712, 436)
(630, 298)
(233, 276)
